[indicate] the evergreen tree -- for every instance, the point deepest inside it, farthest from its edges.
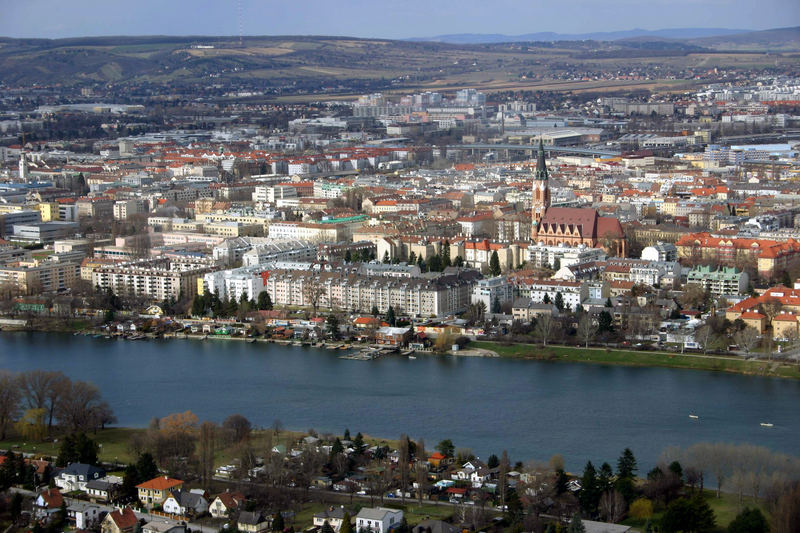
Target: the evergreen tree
(749, 521)
(358, 443)
(626, 464)
(386, 257)
(278, 522)
(494, 265)
(458, 261)
(546, 298)
(391, 319)
(589, 496)
(326, 528)
(493, 461)
(435, 263)
(559, 301)
(374, 312)
(446, 261)
(412, 258)
(686, 514)
(605, 322)
(496, 307)
(557, 264)
(264, 301)
(576, 525)
(348, 257)
(605, 478)
(347, 526)
(332, 325)
(608, 302)
(146, 468)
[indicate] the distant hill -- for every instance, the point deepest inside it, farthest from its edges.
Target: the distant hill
(779, 39)
(674, 33)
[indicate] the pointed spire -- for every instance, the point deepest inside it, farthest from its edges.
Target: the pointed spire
(541, 166)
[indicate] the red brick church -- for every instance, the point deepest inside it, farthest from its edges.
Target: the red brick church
(570, 225)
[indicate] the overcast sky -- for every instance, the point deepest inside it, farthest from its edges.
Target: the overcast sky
(394, 19)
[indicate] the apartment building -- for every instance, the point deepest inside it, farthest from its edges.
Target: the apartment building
(158, 279)
(37, 276)
(720, 281)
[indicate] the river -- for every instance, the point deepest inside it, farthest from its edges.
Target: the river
(531, 408)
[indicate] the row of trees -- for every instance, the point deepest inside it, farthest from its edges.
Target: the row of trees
(32, 402)
(211, 304)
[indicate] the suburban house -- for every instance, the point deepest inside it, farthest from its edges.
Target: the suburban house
(163, 526)
(119, 521)
(225, 503)
(83, 515)
(378, 519)
(101, 490)
(185, 502)
(252, 522)
(435, 526)
(438, 459)
(75, 477)
(157, 490)
(333, 516)
(47, 503)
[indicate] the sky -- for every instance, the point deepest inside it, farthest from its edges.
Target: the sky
(391, 19)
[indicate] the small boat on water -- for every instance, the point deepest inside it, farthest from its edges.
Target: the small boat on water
(251, 341)
(694, 417)
(766, 424)
(412, 356)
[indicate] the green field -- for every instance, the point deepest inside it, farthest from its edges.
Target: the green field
(640, 358)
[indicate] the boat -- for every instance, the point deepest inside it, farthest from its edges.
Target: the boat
(694, 416)
(251, 341)
(412, 356)
(766, 424)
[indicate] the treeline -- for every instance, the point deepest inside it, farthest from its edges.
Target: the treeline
(33, 403)
(210, 304)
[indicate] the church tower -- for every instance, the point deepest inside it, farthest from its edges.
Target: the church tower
(541, 192)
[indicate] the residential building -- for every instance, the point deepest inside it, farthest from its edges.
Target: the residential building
(83, 515)
(47, 503)
(119, 521)
(719, 281)
(252, 522)
(37, 276)
(163, 526)
(185, 502)
(158, 279)
(390, 336)
(125, 208)
(489, 290)
(226, 503)
(76, 475)
(378, 519)
(334, 516)
(157, 490)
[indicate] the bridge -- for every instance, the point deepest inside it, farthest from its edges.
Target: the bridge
(535, 147)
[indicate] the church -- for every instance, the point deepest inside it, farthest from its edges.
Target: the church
(570, 226)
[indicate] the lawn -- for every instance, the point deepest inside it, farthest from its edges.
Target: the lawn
(113, 444)
(641, 358)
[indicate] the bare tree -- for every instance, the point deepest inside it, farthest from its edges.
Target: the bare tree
(421, 470)
(76, 410)
(502, 482)
(312, 292)
(546, 326)
(586, 329)
(747, 339)
(9, 401)
(612, 506)
(404, 460)
(42, 389)
(208, 431)
(237, 428)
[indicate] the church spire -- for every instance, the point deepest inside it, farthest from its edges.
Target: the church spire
(541, 166)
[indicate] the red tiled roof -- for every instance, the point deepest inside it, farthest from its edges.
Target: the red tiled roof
(124, 519)
(160, 483)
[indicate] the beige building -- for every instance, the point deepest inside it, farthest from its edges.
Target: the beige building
(158, 279)
(36, 276)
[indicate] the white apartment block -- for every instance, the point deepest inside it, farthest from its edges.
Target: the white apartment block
(157, 279)
(233, 283)
(572, 292)
(491, 289)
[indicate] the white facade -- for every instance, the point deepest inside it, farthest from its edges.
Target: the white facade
(487, 290)
(232, 284)
(378, 519)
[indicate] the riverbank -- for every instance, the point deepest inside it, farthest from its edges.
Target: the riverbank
(717, 363)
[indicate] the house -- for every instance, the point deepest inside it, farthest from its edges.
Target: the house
(158, 489)
(322, 482)
(75, 477)
(393, 336)
(47, 504)
(333, 516)
(434, 526)
(438, 459)
(101, 490)
(225, 503)
(83, 515)
(163, 526)
(119, 521)
(252, 522)
(378, 519)
(185, 502)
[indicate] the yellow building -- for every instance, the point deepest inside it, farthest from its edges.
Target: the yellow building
(48, 211)
(157, 490)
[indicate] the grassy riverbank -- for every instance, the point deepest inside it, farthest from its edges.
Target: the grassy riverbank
(736, 365)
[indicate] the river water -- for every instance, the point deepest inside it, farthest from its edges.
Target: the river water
(531, 408)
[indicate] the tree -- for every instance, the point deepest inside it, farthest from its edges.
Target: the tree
(446, 448)
(326, 528)
(694, 296)
(332, 326)
(237, 428)
(277, 522)
(42, 389)
(146, 468)
(612, 506)
(458, 261)
(264, 301)
(404, 459)
(9, 401)
(77, 448)
(494, 264)
(691, 515)
(576, 524)
(589, 496)
(559, 301)
(586, 329)
(749, 521)
(207, 445)
(493, 461)
(641, 509)
(747, 339)
(546, 326)
(496, 308)
(347, 526)
(77, 408)
(32, 426)
(391, 319)
(786, 516)
(386, 257)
